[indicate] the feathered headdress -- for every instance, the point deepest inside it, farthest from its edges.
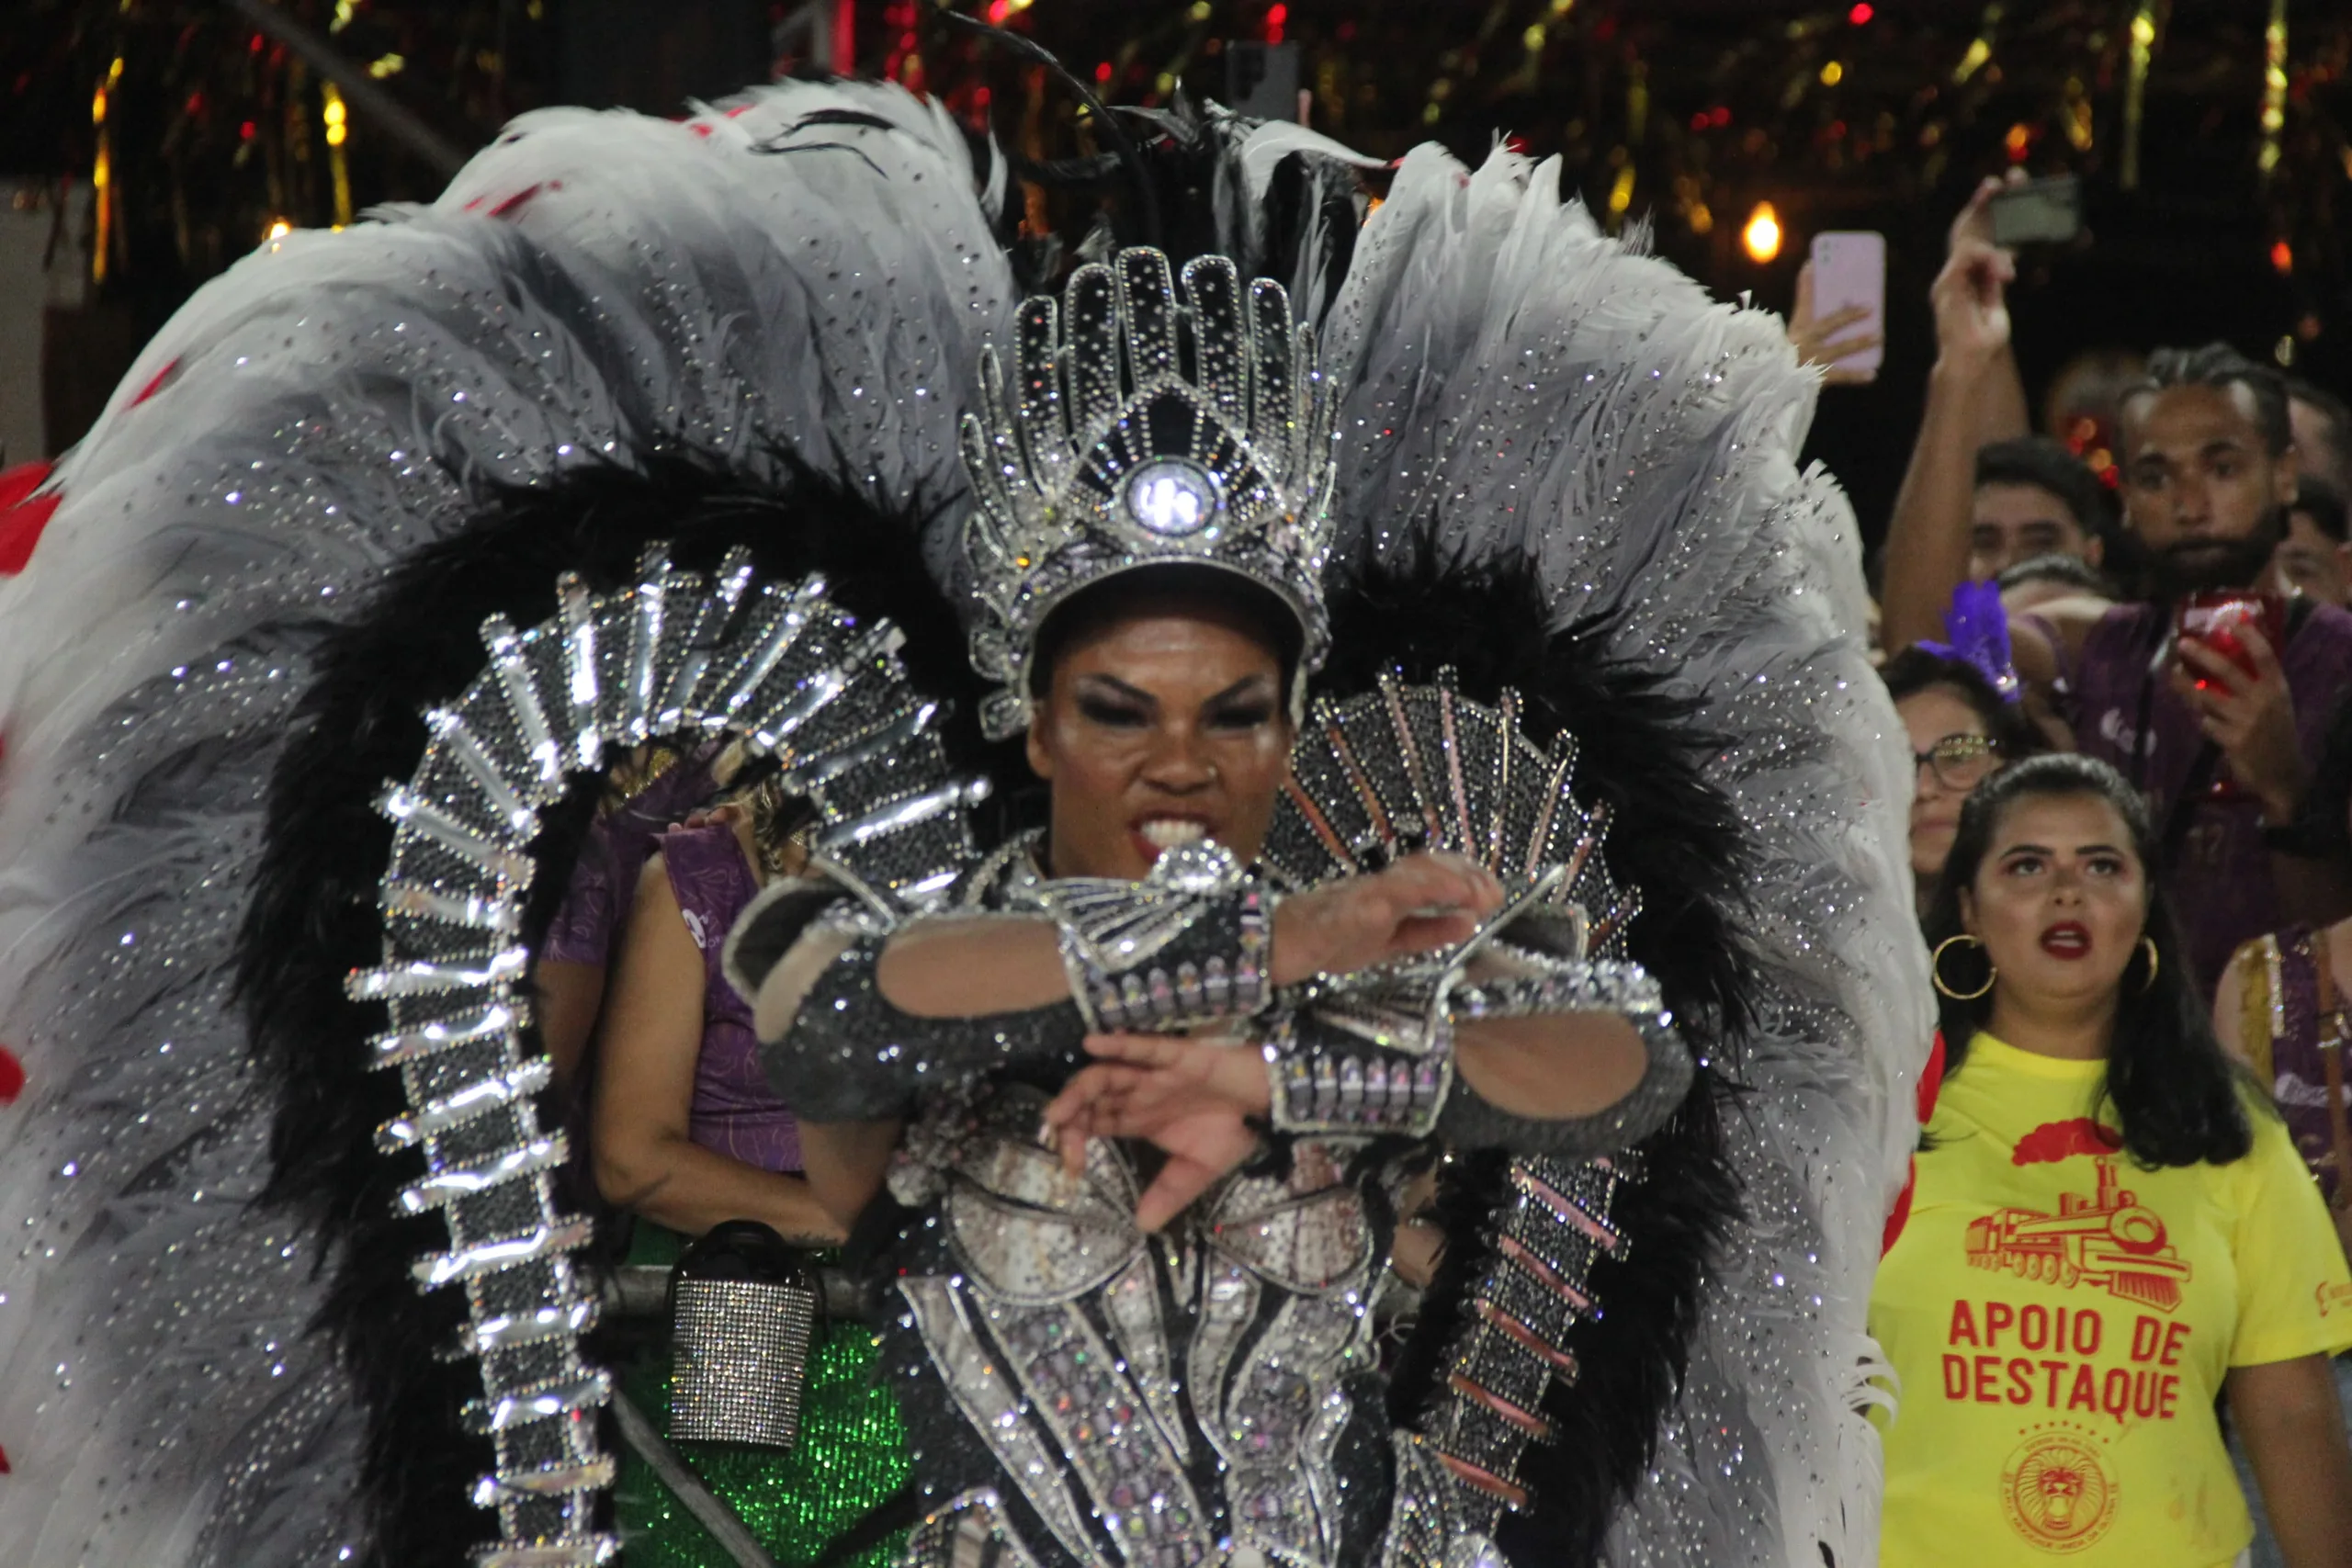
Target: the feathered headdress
(1978, 627)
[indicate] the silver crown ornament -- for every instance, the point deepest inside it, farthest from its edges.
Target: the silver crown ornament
(1149, 424)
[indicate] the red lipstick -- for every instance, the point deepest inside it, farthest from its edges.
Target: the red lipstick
(2068, 940)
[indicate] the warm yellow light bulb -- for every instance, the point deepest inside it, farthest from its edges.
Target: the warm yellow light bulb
(1621, 192)
(279, 227)
(1761, 237)
(1833, 73)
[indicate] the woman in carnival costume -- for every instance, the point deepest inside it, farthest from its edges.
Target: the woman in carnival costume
(648, 429)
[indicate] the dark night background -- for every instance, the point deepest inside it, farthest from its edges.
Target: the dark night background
(1879, 116)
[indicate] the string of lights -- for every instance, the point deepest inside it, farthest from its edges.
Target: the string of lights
(203, 130)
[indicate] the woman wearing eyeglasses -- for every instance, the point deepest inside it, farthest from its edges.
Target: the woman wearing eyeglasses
(1960, 730)
(2110, 1231)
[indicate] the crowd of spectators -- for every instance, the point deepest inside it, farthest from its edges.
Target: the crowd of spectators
(2135, 1112)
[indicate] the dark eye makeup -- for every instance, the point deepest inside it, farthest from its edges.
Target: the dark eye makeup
(1110, 711)
(1244, 715)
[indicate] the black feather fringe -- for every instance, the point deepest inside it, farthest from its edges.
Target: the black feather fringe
(312, 919)
(1677, 837)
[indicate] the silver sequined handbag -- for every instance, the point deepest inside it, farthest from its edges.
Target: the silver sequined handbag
(744, 1312)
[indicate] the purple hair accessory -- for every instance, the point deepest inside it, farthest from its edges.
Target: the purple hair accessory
(1978, 627)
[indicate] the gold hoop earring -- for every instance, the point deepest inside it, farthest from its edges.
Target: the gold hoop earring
(1935, 970)
(2149, 983)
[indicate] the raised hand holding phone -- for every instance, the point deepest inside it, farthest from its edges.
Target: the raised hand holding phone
(1841, 316)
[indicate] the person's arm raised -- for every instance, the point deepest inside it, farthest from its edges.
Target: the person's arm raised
(2001, 412)
(1927, 540)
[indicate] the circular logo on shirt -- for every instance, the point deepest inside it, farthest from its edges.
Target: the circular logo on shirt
(2056, 1493)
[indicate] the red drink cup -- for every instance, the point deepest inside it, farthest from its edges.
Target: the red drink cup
(2214, 616)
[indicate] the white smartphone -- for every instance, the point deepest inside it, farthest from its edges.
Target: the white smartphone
(1849, 269)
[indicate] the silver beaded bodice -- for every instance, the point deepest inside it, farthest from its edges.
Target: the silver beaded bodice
(1156, 1402)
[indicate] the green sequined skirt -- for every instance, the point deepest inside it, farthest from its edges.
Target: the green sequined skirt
(851, 1455)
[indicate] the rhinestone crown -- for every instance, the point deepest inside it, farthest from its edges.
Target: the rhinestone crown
(1147, 426)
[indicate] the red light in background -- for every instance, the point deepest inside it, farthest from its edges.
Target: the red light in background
(1276, 15)
(1720, 115)
(1103, 73)
(2282, 256)
(999, 10)
(245, 131)
(1862, 14)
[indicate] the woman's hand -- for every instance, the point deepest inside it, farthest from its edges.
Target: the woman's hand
(1816, 340)
(1421, 903)
(1191, 1099)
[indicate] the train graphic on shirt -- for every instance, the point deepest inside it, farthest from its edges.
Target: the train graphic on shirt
(2105, 1239)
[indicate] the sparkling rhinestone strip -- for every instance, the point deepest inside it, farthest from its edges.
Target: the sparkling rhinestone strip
(1404, 768)
(669, 654)
(1513, 1345)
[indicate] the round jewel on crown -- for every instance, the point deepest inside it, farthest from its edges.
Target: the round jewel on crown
(1174, 497)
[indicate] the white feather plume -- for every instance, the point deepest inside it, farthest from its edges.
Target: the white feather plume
(1520, 382)
(808, 269)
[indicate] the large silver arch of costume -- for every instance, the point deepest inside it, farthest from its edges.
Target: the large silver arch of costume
(809, 277)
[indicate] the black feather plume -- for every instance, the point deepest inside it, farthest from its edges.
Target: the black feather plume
(1678, 839)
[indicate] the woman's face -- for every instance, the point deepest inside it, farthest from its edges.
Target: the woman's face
(1929, 715)
(2060, 900)
(1161, 727)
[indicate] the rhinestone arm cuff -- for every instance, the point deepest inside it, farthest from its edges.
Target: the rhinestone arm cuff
(850, 1055)
(1469, 1120)
(1190, 943)
(1325, 1079)
(1215, 968)
(1558, 986)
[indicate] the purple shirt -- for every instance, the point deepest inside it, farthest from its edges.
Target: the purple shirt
(604, 880)
(2220, 879)
(2298, 1076)
(735, 1113)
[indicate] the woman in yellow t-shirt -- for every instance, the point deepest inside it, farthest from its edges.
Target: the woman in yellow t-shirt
(2110, 1229)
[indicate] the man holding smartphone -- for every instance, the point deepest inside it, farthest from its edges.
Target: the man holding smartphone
(2222, 746)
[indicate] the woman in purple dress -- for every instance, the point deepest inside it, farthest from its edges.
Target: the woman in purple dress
(686, 1131)
(685, 1134)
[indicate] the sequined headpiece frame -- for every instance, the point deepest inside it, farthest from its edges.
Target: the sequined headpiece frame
(1147, 426)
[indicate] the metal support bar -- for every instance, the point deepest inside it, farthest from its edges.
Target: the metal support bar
(734, 1537)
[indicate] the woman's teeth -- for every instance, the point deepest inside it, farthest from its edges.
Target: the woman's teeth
(2066, 941)
(1166, 832)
